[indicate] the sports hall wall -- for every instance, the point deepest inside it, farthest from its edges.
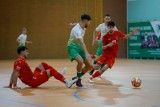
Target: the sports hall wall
(143, 10)
(46, 22)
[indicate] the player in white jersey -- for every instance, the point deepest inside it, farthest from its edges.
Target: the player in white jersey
(77, 49)
(22, 39)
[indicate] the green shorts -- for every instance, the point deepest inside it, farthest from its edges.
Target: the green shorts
(75, 50)
(99, 49)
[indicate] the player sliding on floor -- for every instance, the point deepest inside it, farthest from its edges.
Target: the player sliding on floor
(41, 74)
(110, 49)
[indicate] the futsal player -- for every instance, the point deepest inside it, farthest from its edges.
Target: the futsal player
(77, 49)
(41, 74)
(101, 30)
(22, 39)
(110, 46)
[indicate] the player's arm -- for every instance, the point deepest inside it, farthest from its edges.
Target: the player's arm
(95, 40)
(18, 40)
(83, 45)
(28, 41)
(13, 80)
(88, 56)
(130, 34)
(109, 45)
(96, 31)
(71, 25)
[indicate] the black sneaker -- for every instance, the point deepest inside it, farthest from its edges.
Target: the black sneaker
(79, 83)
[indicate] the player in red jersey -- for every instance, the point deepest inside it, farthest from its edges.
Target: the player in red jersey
(40, 75)
(110, 49)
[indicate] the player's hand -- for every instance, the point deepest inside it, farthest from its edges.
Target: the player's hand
(94, 42)
(29, 41)
(112, 43)
(15, 87)
(70, 25)
(7, 86)
(134, 31)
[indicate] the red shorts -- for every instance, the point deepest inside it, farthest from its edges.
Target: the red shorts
(104, 60)
(39, 78)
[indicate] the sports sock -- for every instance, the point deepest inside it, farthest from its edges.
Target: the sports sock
(57, 75)
(80, 74)
(96, 74)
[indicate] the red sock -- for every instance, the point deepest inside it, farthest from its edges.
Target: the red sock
(57, 75)
(96, 74)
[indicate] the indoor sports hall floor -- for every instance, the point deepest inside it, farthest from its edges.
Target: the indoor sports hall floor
(114, 90)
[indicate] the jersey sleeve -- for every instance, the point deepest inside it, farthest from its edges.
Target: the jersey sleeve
(18, 65)
(120, 34)
(98, 36)
(98, 29)
(77, 34)
(19, 37)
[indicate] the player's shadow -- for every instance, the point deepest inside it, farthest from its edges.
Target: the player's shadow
(108, 91)
(28, 91)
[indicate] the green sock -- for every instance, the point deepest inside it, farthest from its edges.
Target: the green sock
(94, 62)
(80, 74)
(102, 66)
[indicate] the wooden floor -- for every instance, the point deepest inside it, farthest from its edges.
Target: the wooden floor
(113, 90)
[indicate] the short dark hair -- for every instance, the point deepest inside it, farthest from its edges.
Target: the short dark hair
(21, 48)
(111, 23)
(107, 15)
(85, 17)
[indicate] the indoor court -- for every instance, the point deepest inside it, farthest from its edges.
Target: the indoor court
(114, 90)
(48, 28)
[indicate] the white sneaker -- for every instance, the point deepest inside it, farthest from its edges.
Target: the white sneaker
(63, 71)
(90, 81)
(70, 83)
(99, 78)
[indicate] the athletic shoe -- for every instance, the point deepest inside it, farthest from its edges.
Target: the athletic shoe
(79, 83)
(70, 83)
(99, 78)
(90, 80)
(63, 71)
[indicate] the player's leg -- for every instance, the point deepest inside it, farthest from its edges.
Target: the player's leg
(84, 70)
(74, 53)
(105, 64)
(52, 72)
(80, 62)
(98, 53)
(60, 77)
(95, 67)
(79, 66)
(94, 62)
(99, 72)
